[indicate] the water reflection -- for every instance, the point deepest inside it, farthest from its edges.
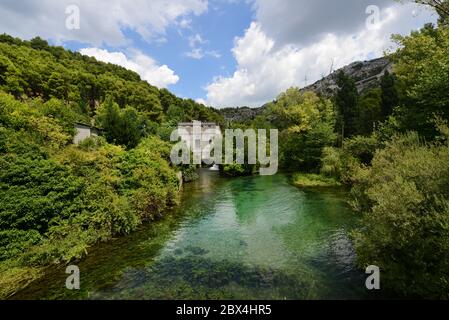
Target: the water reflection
(246, 238)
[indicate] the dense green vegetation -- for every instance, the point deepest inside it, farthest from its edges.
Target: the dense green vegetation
(314, 180)
(404, 196)
(403, 193)
(390, 145)
(58, 199)
(33, 69)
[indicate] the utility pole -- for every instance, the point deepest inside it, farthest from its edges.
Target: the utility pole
(332, 66)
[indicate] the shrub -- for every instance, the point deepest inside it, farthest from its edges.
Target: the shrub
(404, 198)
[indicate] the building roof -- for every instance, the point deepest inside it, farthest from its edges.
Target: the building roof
(87, 125)
(185, 124)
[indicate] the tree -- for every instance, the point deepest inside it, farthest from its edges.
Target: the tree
(421, 67)
(346, 102)
(403, 197)
(307, 123)
(122, 127)
(370, 113)
(390, 98)
(131, 127)
(39, 44)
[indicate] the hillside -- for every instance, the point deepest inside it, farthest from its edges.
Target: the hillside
(58, 199)
(34, 69)
(241, 115)
(366, 74)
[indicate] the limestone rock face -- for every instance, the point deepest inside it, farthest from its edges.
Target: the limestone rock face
(242, 114)
(366, 74)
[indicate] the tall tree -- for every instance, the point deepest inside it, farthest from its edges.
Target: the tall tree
(423, 80)
(123, 127)
(370, 113)
(346, 102)
(390, 98)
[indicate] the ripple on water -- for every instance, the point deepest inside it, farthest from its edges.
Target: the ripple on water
(244, 238)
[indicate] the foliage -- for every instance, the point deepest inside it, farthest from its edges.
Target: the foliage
(237, 170)
(370, 107)
(122, 127)
(56, 199)
(314, 180)
(390, 96)
(404, 200)
(343, 163)
(346, 102)
(36, 69)
(189, 173)
(308, 123)
(422, 69)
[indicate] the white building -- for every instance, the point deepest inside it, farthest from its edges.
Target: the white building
(198, 136)
(83, 132)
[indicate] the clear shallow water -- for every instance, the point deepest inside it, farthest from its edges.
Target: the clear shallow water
(245, 238)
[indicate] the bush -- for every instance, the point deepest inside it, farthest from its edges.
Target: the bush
(313, 180)
(331, 165)
(189, 173)
(404, 198)
(362, 148)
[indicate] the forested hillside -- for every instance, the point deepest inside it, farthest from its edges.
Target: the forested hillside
(33, 69)
(57, 199)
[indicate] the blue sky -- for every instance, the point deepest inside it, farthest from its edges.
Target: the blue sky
(218, 28)
(220, 52)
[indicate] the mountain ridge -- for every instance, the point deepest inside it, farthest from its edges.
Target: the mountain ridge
(366, 74)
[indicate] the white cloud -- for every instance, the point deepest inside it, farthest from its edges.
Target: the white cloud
(198, 54)
(267, 66)
(195, 54)
(102, 22)
(213, 54)
(201, 101)
(158, 75)
(303, 21)
(196, 40)
(185, 23)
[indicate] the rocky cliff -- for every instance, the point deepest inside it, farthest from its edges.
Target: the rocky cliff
(366, 74)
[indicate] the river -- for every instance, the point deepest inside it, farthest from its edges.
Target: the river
(243, 238)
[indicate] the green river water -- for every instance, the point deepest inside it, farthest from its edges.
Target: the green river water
(244, 238)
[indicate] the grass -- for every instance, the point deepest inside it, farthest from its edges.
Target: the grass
(303, 180)
(15, 279)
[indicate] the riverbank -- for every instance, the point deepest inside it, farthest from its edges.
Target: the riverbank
(303, 180)
(254, 237)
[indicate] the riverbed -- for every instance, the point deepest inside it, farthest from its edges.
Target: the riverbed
(244, 238)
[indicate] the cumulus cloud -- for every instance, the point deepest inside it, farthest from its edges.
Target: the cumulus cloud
(102, 22)
(269, 62)
(158, 75)
(304, 21)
